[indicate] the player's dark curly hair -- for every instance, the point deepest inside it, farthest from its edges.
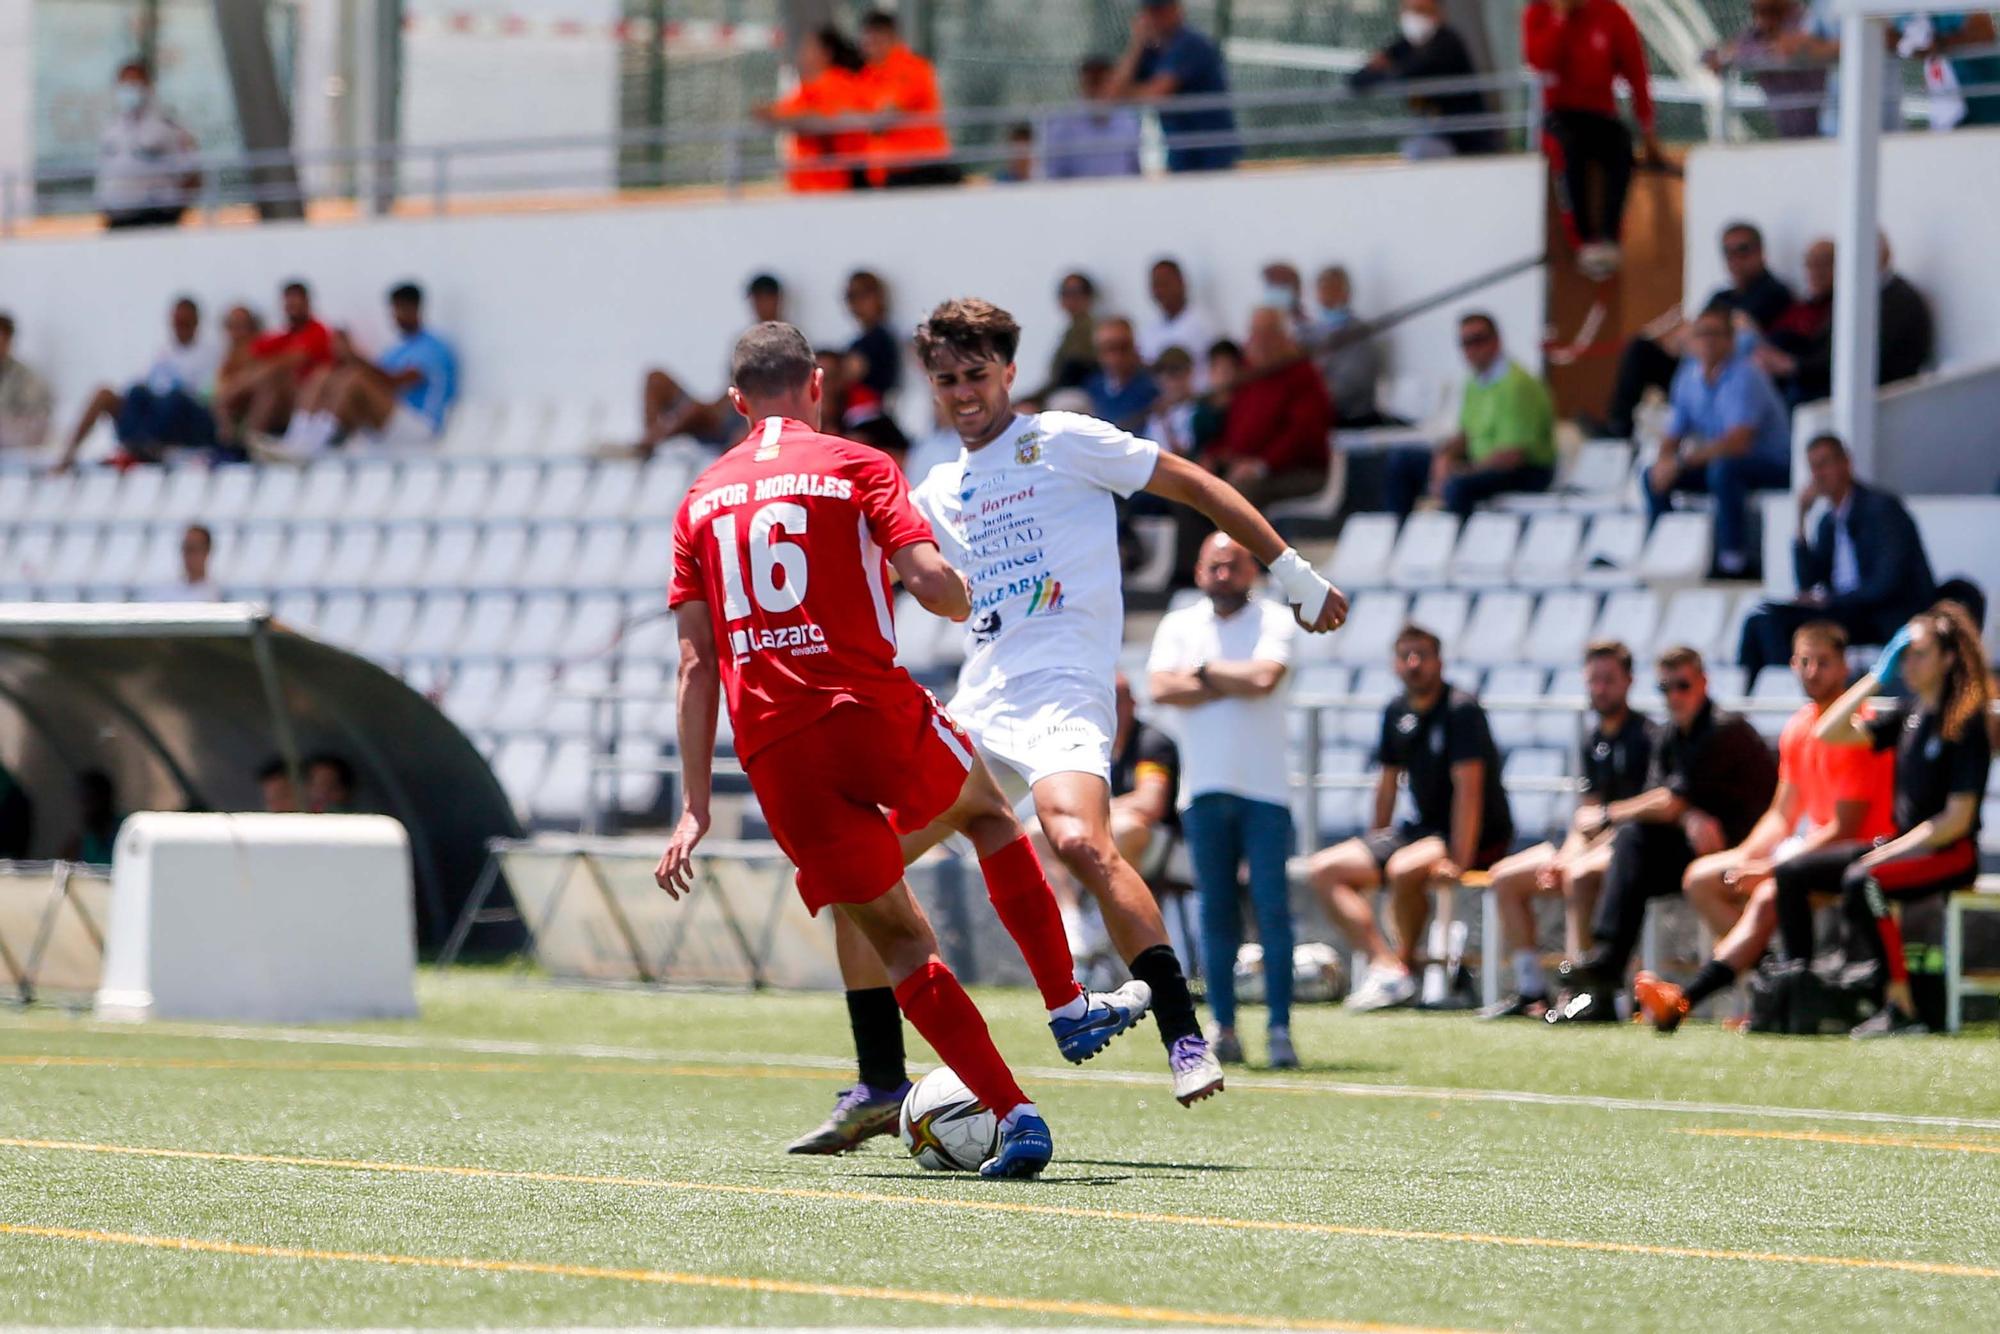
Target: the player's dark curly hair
(971, 328)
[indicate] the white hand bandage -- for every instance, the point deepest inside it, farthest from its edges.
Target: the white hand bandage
(1299, 582)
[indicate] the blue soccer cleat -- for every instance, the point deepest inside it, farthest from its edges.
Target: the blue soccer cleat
(1025, 1147)
(1110, 1013)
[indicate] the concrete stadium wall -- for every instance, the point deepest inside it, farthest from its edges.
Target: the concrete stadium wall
(562, 305)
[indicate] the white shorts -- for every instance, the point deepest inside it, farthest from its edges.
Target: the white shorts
(406, 429)
(1049, 722)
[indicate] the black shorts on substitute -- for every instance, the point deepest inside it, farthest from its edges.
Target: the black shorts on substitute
(1382, 844)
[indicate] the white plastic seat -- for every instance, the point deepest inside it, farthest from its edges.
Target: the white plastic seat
(296, 609)
(1485, 552)
(323, 494)
(1771, 687)
(1361, 557)
(564, 789)
(654, 637)
(565, 485)
(120, 561)
(1369, 634)
(371, 492)
(1630, 615)
(517, 491)
(497, 563)
(387, 628)
(473, 428)
(1360, 724)
(230, 491)
(472, 691)
(518, 765)
(341, 617)
(613, 485)
(419, 485)
(1423, 550)
(1321, 678)
(600, 552)
(185, 497)
(596, 622)
(403, 558)
(467, 487)
(1512, 727)
(521, 430)
(435, 632)
(1727, 682)
(524, 705)
(52, 496)
(1499, 622)
(1600, 467)
(540, 625)
(489, 625)
(1679, 548)
(1560, 628)
(1547, 554)
(306, 557)
(74, 554)
(255, 557)
(649, 564)
(551, 559)
(277, 495)
(96, 495)
(1443, 612)
(357, 548)
(1696, 617)
(139, 494)
(17, 493)
(662, 483)
(159, 560)
(573, 426)
(1609, 557)
(449, 564)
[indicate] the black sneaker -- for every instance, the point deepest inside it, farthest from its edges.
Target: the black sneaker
(1891, 1021)
(1517, 1007)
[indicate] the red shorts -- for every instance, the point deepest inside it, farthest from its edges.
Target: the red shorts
(837, 793)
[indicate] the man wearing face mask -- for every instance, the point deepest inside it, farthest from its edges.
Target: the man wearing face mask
(1345, 350)
(1429, 48)
(145, 168)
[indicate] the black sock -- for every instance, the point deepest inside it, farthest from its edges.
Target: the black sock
(1173, 1007)
(878, 1036)
(1715, 975)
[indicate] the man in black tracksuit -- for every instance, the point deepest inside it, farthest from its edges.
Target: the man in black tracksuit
(1712, 776)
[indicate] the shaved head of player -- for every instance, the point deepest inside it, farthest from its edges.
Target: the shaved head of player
(775, 374)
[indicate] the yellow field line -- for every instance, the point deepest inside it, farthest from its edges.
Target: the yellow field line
(1038, 1210)
(1831, 1137)
(425, 1067)
(1159, 1315)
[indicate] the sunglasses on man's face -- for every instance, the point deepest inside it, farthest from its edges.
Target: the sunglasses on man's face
(1068, 292)
(1475, 340)
(1678, 685)
(1740, 249)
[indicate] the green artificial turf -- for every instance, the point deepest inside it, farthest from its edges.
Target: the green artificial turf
(678, 1094)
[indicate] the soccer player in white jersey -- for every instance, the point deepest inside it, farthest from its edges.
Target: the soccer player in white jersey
(1028, 511)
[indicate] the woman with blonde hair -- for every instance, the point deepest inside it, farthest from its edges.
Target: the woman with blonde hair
(1942, 753)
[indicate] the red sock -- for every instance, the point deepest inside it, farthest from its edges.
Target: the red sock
(940, 1010)
(1027, 908)
(1892, 946)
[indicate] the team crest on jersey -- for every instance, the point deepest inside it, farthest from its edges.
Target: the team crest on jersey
(1027, 449)
(1407, 723)
(766, 451)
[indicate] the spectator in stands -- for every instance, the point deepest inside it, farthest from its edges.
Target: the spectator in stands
(1075, 358)
(1580, 48)
(1121, 391)
(1613, 763)
(329, 785)
(831, 85)
(1862, 567)
(1345, 350)
(1225, 372)
(1284, 290)
(169, 406)
(875, 357)
(1711, 778)
(17, 818)
(1506, 438)
(146, 169)
(398, 402)
(260, 398)
(97, 820)
(1166, 61)
(1651, 359)
(1727, 435)
(274, 783)
(1780, 52)
(1019, 165)
(1102, 140)
(1931, 38)
(1178, 323)
(669, 409)
(1797, 350)
(25, 401)
(1171, 422)
(1838, 796)
(1438, 736)
(1429, 48)
(1906, 331)
(1943, 752)
(196, 583)
(1274, 439)
(912, 147)
(1221, 664)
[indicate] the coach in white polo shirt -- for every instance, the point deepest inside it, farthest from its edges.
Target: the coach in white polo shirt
(1221, 666)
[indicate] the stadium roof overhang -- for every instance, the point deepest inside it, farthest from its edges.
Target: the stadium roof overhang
(183, 704)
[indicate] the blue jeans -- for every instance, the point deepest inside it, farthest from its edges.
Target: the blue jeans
(1225, 832)
(1408, 475)
(1730, 481)
(149, 420)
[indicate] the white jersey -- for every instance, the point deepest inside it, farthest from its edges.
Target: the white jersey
(1030, 517)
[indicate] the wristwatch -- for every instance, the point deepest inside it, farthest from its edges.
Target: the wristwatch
(1201, 671)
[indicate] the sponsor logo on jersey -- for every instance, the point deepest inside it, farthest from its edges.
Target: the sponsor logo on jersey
(1027, 449)
(986, 628)
(794, 641)
(1047, 597)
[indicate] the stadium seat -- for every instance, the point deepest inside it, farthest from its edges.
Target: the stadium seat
(564, 487)
(597, 622)
(340, 618)
(371, 491)
(1599, 468)
(95, 495)
(519, 765)
(524, 705)
(185, 499)
(564, 789)
(230, 493)
(1679, 548)
(403, 558)
(307, 556)
(323, 493)
(1322, 679)
(387, 627)
(1726, 682)
(468, 486)
(1630, 615)
(17, 494)
(613, 484)
(1443, 612)
(1773, 687)
(517, 492)
(497, 562)
(1361, 723)
(1546, 556)
(140, 493)
(418, 488)
(662, 483)
(1361, 556)
(1744, 607)
(449, 564)
(1512, 727)
(574, 427)
(1423, 550)
(650, 564)
(159, 562)
(650, 633)
(253, 557)
(1695, 617)
(1485, 552)
(1562, 728)
(73, 554)
(121, 559)
(470, 692)
(1560, 628)
(436, 630)
(1498, 625)
(276, 496)
(357, 552)
(473, 428)
(488, 626)
(539, 625)
(523, 429)
(1369, 635)
(1342, 811)
(554, 560)
(296, 610)
(1609, 556)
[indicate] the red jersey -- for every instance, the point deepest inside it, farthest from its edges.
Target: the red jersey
(310, 338)
(1578, 56)
(1825, 775)
(787, 537)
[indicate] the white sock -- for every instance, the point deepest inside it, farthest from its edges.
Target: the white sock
(1072, 920)
(1076, 1009)
(1009, 1121)
(1528, 980)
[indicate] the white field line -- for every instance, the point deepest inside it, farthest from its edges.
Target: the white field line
(1246, 1083)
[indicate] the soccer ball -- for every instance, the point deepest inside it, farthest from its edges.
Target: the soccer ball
(944, 1127)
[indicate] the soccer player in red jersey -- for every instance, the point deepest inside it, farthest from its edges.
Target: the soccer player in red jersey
(782, 551)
